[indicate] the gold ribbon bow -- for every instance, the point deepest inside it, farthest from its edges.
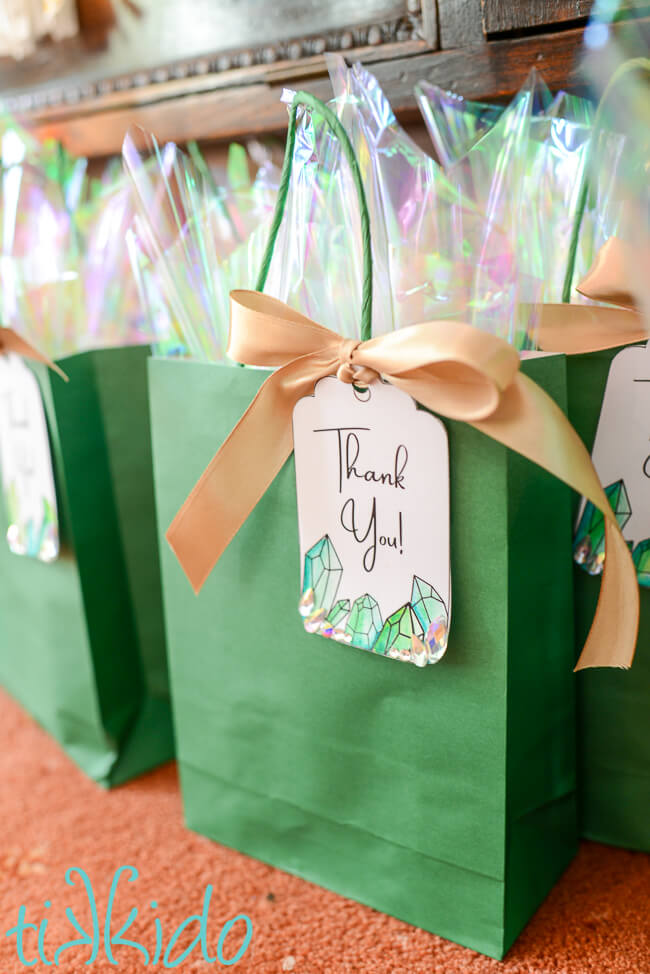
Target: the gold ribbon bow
(450, 368)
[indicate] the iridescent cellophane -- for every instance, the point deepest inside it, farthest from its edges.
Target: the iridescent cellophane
(478, 230)
(194, 241)
(64, 266)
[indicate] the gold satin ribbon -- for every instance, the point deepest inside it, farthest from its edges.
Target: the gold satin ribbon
(450, 368)
(10, 341)
(577, 328)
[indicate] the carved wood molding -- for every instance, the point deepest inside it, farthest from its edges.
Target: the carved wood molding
(417, 23)
(237, 102)
(249, 104)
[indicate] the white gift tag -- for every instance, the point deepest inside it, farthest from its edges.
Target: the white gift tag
(621, 456)
(372, 481)
(27, 478)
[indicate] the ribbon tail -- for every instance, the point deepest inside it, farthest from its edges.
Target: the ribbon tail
(10, 341)
(231, 485)
(241, 471)
(610, 628)
(529, 422)
(576, 328)
(612, 273)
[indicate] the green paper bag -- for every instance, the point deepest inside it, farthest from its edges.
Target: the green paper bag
(613, 705)
(82, 638)
(444, 795)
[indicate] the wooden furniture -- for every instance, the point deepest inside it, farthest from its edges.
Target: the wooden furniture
(215, 69)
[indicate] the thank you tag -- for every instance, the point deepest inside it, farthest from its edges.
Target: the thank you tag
(621, 456)
(27, 479)
(372, 481)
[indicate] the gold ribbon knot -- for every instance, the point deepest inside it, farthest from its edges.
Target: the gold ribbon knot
(450, 368)
(348, 371)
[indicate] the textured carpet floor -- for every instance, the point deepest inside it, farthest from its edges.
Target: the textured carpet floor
(51, 818)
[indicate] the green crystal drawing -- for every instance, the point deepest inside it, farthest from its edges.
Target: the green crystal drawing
(427, 603)
(338, 612)
(38, 539)
(641, 559)
(416, 632)
(589, 541)
(432, 613)
(364, 624)
(323, 571)
(395, 637)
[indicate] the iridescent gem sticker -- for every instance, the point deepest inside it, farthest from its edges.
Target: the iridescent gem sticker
(372, 481)
(26, 462)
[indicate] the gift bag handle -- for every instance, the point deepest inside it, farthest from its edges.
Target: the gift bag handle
(634, 64)
(304, 99)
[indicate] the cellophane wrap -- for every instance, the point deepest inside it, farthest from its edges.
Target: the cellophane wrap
(482, 233)
(524, 168)
(64, 266)
(195, 240)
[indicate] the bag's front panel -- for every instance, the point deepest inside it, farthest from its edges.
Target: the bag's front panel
(613, 706)
(541, 770)
(541, 755)
(463, 906)
(414, 759)
(335, 763)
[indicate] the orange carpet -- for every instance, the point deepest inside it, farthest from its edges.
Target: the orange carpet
(52, 818)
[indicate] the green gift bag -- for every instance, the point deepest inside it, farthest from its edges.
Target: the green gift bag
(82, 638)
(445, 795)
(613, 705)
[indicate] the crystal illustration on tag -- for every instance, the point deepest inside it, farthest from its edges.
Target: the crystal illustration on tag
(323, 572)
(364, 624)
(589, 541)
(641, 559)
(415, 632)
(38, 540)
(372, 474)
(621, 456)
(25, 458)
(338, 612)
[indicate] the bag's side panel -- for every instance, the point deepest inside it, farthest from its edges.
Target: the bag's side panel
(368, 776)
(121, 376)
(542, 817)
(45, 656)
(613, 705)
(121, 382)
(96, 538)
